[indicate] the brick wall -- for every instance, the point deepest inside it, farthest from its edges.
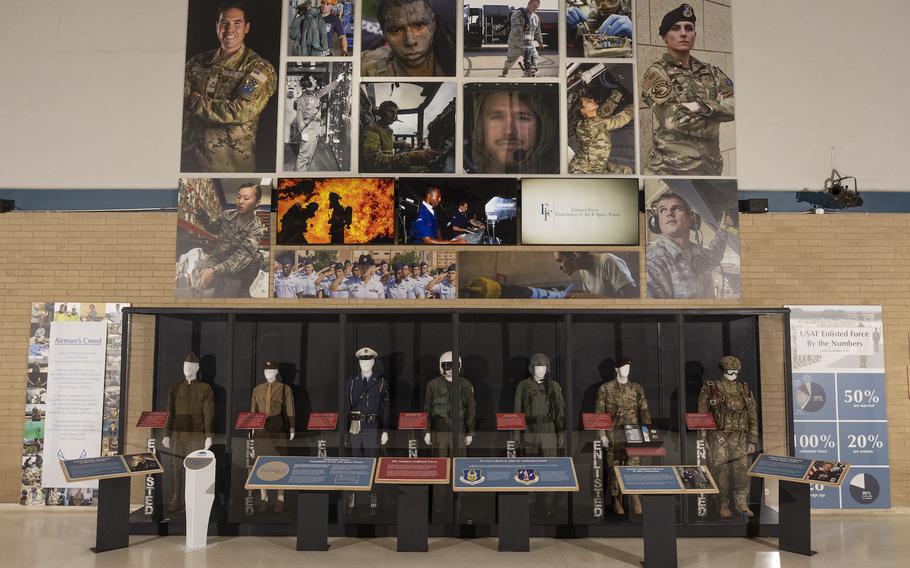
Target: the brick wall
(787, 259)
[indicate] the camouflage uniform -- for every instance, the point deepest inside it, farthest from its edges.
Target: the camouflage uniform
(236, 257)
(545, 415)
(219, 128)
(594, 143)
(438, 408)
(683, 272)
(517, 32)
(733, 407)
(377, 152)
(685, 142)
(309, 120)
(626, 404)
(381, 62)
(192, 411)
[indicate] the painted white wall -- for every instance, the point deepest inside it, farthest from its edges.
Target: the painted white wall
(91, 92)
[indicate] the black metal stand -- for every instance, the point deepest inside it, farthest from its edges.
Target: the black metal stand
(659, 530)
(514, 522)
(413, 525)
(313, 520)
(113, 524)
(795, 520)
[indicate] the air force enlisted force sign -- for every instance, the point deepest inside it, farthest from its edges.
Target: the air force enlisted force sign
(514, 474)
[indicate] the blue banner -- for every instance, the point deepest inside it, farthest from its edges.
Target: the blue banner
(514, 474)
(312, 473)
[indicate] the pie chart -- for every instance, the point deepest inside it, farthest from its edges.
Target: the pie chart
(810, 397)
(864, 489)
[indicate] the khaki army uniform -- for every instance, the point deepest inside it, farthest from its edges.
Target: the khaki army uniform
(594, 139)
(626, 404)
(219, 128)
(236, 258)
(685, 142)
(276, 401)
(733, 407)
(192, 411)
(545, 416)
(377, 152)
(438, 408)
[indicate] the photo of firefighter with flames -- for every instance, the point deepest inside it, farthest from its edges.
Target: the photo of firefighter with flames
(336, 211)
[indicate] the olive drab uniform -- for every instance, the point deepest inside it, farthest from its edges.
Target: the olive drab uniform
(545, 416)
(439, 411)
(192, 410)
(219, 128)
(366, 404)
(733, 407)
(594, 139)
(276, 401)
(626, 404)
(686, 142)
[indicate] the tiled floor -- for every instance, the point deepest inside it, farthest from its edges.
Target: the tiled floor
(34, 539)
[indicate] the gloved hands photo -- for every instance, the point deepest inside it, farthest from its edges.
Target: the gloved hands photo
(616, 25)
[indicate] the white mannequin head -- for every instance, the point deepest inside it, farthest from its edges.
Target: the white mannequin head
(731, 374)
(540, 373)
(190, 370)
(445, 365)
(270, 375)
(539, 366)
(622, 368)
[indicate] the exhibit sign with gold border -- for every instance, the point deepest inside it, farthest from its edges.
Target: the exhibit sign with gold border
(309, 473)
(514, 474)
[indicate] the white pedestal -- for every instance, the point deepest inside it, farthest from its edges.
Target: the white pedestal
(199, 493)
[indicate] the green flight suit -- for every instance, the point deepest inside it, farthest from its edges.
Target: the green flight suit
(220, 123)
(733, 407)
(626, 404)
(439, 412)
(545, 416)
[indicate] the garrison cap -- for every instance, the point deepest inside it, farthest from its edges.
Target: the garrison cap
(684, 13)
(191, 358)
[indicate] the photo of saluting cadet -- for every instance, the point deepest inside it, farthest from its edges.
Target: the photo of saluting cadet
(690, 101)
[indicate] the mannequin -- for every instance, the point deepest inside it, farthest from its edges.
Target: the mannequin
(276, 401)
(366, 404)
(626, 403)
(191, 405)
(439, 410)
(731, 402)
(540, 398)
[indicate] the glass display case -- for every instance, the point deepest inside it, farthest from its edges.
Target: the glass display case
(645, 368)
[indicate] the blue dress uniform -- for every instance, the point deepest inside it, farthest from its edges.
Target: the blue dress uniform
(425, 225)
(366, 401)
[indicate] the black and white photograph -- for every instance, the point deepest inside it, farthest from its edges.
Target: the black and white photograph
(222, 238)
(456, 211)
(407, 127)
(317, 117)
(601, 118)
(408, 38)
(543, 275)
(599, 28)
(230, 109)
(511, 128)
(320, 28)
(366, 274)
(693, 248)
(520, 39)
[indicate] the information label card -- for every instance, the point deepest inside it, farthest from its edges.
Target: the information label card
(413, 470)
(109, 467)
(312, 473)
(153, 419)
(250, 421)
(700, 421)
(412, 420)
(665, 479)
(513, 474)
(596, 421)
(510, 421)
(322, 421)
(801, 470)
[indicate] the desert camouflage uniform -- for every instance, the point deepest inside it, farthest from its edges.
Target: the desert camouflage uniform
(626, 404)
(219, 129)
(594, 143)
(733, 407)
(685, 142)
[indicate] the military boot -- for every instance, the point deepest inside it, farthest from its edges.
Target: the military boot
(636, 504)
(617, 505)
(725, 511)
(742, 507)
